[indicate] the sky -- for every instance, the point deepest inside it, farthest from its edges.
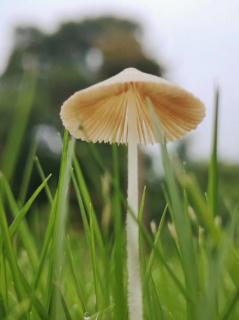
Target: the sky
(197, 40)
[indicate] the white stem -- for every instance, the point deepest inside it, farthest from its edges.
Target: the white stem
(132, 232)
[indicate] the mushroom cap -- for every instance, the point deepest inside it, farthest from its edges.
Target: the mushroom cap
(105, 111)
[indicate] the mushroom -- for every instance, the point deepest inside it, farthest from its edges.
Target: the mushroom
(116, 111)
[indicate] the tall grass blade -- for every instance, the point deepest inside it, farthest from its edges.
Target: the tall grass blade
(60, 225)
(232, 303)
(27, 173)
(10, 254)
(22, 213)
(213, 166)
(77, 280)
(156, 243)
(119, 296)
(87, 201)
(43, 177)
(46, 244)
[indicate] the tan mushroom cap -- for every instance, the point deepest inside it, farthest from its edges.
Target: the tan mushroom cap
(103, 112)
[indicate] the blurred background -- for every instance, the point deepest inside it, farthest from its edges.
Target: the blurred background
(49, 49)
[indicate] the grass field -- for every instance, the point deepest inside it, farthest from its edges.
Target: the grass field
(189, 262)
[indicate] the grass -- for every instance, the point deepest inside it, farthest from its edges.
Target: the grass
(189, 271)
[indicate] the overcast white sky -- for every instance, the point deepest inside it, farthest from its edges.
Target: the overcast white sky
(197, 39)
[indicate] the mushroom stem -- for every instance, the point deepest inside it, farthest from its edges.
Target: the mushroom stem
(132, 233)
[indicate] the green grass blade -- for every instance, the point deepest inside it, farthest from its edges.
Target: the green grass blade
(119, 295)
(77, 280)
(3, 283)
(213, 166)
(82, 208)
(141, 240)
(46, 244)
(156, 304)
(89, 227)
(60, 224)
(232, 303)
(18, 311)
(156, 243)
(43, 256)
(96, 155)
(87, 201)
(22, 213)
(3, 308)
(65, 308)
(198, 201)
(43, 177)
(10, 254)
(33, 299)
(96, 275)
(27, 173)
